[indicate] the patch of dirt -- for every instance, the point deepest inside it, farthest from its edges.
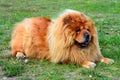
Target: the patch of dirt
(75, 75)
(6, 52)
(9, 78)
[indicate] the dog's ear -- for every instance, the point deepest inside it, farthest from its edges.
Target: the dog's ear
(82, 17)
(67, 20)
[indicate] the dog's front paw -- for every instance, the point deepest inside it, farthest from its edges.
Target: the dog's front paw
(107, 60)
(88, 64)
(20, 55)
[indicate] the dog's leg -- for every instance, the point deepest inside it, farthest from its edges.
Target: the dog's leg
(106, 60)
(88, 64)
(20, 55)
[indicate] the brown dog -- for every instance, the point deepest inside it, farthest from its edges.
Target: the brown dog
(71, 38)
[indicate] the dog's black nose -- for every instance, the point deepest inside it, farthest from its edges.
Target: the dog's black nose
(87, 36)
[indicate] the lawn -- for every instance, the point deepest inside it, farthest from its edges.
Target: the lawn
(105, 14)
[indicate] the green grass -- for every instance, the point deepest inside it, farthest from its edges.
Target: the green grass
(105, 14)
(12, 67)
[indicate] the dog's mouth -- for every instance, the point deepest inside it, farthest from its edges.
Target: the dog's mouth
(83, 44)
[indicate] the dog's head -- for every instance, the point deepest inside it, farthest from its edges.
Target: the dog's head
(77, 28)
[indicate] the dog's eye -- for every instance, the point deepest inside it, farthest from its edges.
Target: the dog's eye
(78, 30)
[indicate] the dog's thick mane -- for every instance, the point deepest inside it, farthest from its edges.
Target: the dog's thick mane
(62, 48)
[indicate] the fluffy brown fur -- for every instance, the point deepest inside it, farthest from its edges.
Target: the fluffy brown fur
(71, 38)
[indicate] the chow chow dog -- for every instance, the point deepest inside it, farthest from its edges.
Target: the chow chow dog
(71, 38)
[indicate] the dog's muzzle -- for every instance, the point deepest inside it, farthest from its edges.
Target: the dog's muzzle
(87, 40)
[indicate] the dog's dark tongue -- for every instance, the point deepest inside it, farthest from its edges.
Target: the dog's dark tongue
(84, 44)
